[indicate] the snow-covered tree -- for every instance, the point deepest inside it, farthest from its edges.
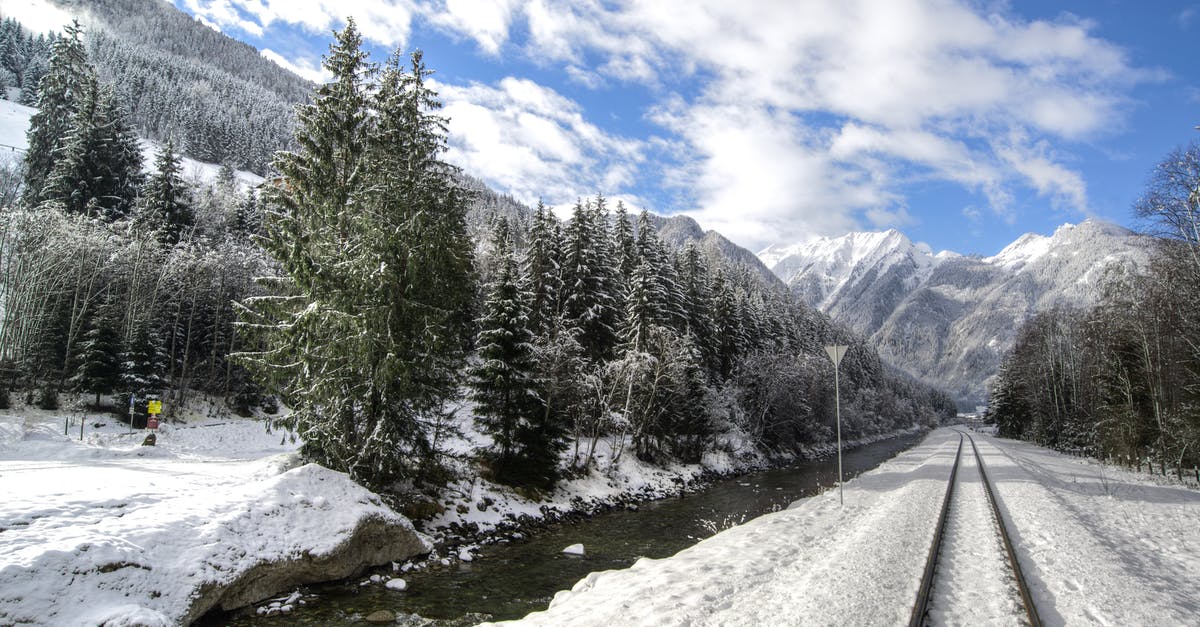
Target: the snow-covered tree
(99, 369)
(524, 447)
(166, 201)
(58, 96)
(365, 339)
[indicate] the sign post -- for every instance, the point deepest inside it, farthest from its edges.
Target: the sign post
(132, 397)
(153, 408)
(836, 352)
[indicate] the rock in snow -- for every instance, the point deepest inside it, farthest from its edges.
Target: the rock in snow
(574, 549)
(233, 537)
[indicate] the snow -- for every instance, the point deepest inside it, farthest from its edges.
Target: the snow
(105, 531)
(396, 584)
(838, 261)
(1026, 249)
(574, 549)
(1098, 546)
(14, 123)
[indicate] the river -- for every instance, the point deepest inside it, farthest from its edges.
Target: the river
(509, 581)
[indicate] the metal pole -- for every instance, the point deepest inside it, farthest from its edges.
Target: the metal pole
(836, 352)
(837, 403)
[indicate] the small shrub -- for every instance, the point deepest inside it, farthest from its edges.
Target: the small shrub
(48, 398)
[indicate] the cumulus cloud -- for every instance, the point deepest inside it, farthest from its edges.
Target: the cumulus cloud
(813, 115)
(386, 22)
(533, 142)
(781, 118)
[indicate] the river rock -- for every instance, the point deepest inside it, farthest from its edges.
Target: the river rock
(396, 584)
(381, 616)
(574, 549)
(373, 542)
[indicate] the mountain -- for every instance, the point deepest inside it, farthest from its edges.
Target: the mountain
(945, 318)
(678, 230)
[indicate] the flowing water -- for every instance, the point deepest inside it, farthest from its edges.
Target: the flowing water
(509, 581)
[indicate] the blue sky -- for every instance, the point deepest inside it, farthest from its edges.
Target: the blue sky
(963, 124)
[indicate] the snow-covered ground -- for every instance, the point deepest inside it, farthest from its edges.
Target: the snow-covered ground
(105, 531)
(1098, 546)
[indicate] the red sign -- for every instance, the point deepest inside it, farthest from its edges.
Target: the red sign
(152, 423)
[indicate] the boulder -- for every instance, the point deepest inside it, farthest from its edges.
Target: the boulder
(375, 541)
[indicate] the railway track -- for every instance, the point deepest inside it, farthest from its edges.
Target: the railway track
(971, 575)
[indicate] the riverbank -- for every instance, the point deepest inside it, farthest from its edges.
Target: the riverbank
(1098, 545)
(100, 529)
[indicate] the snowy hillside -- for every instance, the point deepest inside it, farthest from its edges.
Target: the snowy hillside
(14, 123)
(946, 319)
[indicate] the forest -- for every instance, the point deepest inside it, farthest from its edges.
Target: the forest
(1121, 380)
(372, 289)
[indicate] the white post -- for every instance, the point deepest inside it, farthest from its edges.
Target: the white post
(836, 352)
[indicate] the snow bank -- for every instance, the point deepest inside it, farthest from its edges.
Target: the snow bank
(107, 532)
(1098, 546)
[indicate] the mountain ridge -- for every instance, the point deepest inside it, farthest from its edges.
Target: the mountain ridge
(947, 318)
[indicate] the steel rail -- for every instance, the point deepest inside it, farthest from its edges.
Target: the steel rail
(1022, 586)
(922, 606)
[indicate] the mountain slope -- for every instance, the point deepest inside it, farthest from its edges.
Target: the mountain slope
(947, 319)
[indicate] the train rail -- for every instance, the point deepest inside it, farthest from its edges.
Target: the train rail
(921, 609)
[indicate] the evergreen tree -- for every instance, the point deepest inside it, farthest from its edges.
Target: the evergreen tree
(166, 203)
(626, 245)
(543, 270)
(58, 94)
(97, 169)
(508, 408)
(144, 363)
(69, 182)
(588, 288)
(369, 226)
(99, 369)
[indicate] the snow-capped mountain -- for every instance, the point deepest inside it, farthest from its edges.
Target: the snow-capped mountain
(945, 318)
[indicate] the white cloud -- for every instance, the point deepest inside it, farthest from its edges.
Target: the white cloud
(532, 142)
(812, 115)
(310, 69)
(785, 117)
(386, 22)
(485, 21)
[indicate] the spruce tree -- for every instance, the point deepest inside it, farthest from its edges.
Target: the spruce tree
(365, 340)
(69, 182)
(99, 369)
(589, 301)
(507, 407)
(143, 365)
(543, 270)
(58, 94)
(166, 201)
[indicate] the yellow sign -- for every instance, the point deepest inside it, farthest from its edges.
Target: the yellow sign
(153, 407)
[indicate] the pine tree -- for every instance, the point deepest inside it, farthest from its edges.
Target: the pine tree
(58, 95)
(508, 408)
(143, 365)
(69, 182)
(166, 202)
(588, 301)
(542, 270)
(366, 343)
(625, 244)
(97, 169)
(99, 369)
